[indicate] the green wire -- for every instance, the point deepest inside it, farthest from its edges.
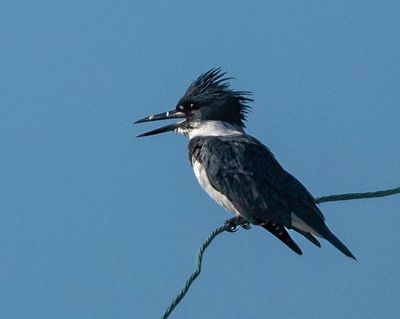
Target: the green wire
(227, 227)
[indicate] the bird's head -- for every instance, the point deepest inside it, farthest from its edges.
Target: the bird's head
(208, 98)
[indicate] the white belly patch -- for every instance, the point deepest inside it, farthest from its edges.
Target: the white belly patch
(204, 182)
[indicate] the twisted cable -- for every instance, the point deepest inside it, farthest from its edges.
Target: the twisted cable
(232, 227)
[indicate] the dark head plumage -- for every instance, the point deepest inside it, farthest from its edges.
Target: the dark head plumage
(209, 97)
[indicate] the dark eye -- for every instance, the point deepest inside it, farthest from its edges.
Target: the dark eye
(191, 106)
(187, 106)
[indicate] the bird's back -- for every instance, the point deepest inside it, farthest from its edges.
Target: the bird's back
(247, 173)
(243, 176)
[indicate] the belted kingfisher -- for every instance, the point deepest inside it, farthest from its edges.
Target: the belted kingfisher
(235, 169)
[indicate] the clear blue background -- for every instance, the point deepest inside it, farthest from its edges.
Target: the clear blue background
(97, 224)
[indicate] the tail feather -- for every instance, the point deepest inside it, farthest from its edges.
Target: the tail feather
(309, 236)
(309, 225)
(281, 233)
(329, 236)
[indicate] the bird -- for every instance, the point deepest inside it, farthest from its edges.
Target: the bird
(235, 169)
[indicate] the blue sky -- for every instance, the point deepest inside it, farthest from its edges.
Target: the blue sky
(97, 224)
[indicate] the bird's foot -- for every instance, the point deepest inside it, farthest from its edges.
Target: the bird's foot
(236, 221)
(246, 225)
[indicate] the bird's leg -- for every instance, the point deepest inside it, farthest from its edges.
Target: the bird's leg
(232, 224)
(236, 221)
(245, 225)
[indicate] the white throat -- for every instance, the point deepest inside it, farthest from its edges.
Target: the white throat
(210, 128)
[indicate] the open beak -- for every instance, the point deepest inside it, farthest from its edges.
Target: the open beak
(163, 116)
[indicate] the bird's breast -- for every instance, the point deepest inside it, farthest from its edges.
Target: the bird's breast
(201, 175)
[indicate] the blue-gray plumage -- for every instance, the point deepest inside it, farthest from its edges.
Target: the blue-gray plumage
(238, 171)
